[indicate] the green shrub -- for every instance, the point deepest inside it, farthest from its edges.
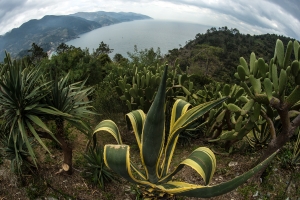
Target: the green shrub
(96, 171)
(106, 101)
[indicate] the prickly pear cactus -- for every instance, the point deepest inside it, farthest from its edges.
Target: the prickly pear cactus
(260, 102)
(230, 121)
(235, 118)
(267, 85)
(138, 90)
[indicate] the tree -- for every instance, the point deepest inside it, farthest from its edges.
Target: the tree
(119, 58)
(36, 53)
(21, 92)
(102, 49)
(28, 102)
(146, 57)
(172, 55)
(62, 48)
(72, 101)
(208, 56)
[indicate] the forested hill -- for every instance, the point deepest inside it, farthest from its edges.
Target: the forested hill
(216, 53)
(47, 32)
(50, 31)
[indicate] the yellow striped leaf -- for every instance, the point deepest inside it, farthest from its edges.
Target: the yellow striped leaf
(110, 127)
(137, 120)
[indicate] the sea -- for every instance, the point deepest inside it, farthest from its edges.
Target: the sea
(145, 34)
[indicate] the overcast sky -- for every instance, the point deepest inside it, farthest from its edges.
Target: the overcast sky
(249, 16)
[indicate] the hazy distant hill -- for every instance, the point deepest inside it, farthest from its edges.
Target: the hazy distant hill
(50, 31)
(107, 18)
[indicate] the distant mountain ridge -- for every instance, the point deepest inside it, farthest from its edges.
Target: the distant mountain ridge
(107, 18)
(52, 30)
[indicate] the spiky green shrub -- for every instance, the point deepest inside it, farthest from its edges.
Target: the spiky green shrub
(22, 89)
(156, 154)
(28, 101)
(15, 150)
(106, 101)
(96, 171)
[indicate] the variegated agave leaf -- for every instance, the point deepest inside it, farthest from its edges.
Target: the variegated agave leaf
(156, 157)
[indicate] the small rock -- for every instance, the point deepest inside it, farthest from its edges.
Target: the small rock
(256, 194)
(231, 164)
(220, 178)
(51, 198)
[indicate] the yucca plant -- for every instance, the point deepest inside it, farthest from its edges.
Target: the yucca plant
(21, 91)
(16, 151)
(155, 178)
(72, 101)
(28, 102)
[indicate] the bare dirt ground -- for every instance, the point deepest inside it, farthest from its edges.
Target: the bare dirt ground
(46, 183)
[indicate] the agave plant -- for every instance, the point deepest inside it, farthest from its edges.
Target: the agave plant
(156, 178)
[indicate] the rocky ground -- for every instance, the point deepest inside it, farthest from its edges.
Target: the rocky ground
(47, 183)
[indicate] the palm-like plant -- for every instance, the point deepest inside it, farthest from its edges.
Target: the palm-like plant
(72, 101)
(21, 92)
(27, 101)
(155, 178)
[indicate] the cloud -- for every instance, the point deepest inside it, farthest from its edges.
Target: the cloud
(292, 7)
(254, 17)
(276, 16)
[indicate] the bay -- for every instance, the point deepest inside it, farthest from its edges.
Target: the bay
(122, 37)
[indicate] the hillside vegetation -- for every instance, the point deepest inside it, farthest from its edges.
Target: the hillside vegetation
(213, 119)
(217, 52)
